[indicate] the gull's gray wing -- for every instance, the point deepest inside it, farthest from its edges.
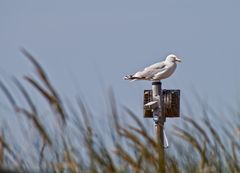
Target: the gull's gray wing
(150, 71)
(158, 65)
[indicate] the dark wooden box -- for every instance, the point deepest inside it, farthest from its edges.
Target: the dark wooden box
(171, 100)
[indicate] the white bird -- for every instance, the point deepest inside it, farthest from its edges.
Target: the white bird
(157, 71)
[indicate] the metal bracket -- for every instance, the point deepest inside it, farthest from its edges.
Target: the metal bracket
(151, 105)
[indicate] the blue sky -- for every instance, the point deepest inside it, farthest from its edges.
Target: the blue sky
(88, 46)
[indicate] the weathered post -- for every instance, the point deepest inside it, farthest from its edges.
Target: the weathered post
(160, 104)
(158, 117)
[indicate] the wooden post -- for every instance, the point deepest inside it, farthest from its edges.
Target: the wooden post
(159, 119)
(161, 104)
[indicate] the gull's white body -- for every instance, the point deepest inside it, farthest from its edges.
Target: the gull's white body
(157, 71)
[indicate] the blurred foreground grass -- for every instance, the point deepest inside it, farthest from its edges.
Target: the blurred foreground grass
(69, 139)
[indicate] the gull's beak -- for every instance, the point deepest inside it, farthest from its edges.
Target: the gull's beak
(178, 60)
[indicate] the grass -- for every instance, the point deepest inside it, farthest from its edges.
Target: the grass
(71, 141)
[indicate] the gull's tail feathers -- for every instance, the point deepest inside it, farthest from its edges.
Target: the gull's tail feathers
(128, 77)
(131, 77)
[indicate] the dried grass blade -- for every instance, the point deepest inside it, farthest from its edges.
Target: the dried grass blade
(200, 129)
(215, 135)
(145, 135)
(85, 115)
(127, 158)
(26, 95)
(40, 71)
(45, 93)
(191, 140)
(49, 97)
(114, 111)
(125, 133)
(8, 95)
(1, 149)
(41, 154)
(44, 78)
(38, 125)
(135, 118)
(138, 145)
(12, 154)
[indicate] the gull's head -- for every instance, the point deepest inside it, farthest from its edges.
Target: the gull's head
(173, 58)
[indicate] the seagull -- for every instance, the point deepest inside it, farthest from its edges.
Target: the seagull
(157, 71)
